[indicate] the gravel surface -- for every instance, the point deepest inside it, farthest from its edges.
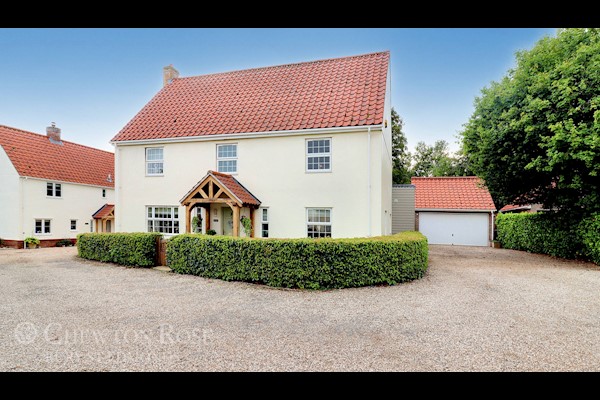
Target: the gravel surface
(477, 309)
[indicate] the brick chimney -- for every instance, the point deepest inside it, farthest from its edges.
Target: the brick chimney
(53, 133)
(169, 73)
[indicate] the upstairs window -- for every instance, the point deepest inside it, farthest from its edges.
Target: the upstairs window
(53, 189)
(73, 224)
(227, 158)
(103, 192)
(154, 161)
(318, 155)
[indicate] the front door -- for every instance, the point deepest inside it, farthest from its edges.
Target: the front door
(227, 221)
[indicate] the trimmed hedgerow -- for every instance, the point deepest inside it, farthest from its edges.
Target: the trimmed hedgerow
(545, 233)
(134, 249)
(590, 237)
(302, 263)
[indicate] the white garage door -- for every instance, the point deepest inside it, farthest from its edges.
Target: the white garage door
(468, 229)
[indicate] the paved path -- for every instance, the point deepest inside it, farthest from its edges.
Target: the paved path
(476, 309)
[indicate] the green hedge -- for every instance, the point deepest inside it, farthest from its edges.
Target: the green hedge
(302, 263)
(551, 233)
(590, 237)
(136, 249)
(545, 233)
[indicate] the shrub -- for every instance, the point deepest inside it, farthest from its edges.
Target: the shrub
(211, 232)
(545, 233)
(32, 241)
(64, 242)
(302, 263)
(590, 237)
(136, 249)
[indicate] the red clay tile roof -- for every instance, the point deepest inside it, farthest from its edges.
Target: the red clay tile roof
(338, 92)
(453, 193)
(33, 155)
(104, 211)
(235, 187)
(512, 207)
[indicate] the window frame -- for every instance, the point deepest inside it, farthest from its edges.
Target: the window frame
(264, 222)
(175, 219)
(71, 225)
(103, 193)
(53, 190)
(227, 158)
(43, 226)
(146, 161)
(330, 223)
(307, 155)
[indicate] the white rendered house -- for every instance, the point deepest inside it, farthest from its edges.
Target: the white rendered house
(50, 188)
(295, 150)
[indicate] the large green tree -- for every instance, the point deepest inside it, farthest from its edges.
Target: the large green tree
(436, 160)
(400, 154)
(535, 135)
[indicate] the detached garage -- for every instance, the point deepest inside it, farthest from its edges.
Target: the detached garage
(454, 210)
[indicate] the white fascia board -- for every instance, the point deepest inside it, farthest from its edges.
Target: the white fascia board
(248, 135)
(452, 210)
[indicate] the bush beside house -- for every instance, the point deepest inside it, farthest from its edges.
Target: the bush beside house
(302, 263)
(549, 233)
(134, 249)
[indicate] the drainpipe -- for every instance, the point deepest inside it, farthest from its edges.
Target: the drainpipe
(492, 226)
(369, 176)
(21, 194)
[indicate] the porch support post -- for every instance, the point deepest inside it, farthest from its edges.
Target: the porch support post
(188, 218)
(252, 221)
(236, 220)
(103, 225)
(207, 217)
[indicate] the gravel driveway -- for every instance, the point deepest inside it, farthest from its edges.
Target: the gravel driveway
(476, 309)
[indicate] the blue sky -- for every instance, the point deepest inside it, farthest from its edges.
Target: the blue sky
(91, 82)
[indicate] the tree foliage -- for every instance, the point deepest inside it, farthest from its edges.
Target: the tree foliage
(534, 137)
(400, 154)
(436, 160)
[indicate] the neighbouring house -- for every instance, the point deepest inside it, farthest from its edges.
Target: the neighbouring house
(49, 187)
(296, 150)
(454, 210)
(526, 208)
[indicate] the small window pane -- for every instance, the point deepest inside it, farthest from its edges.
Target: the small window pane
(73, 224)
(49, 189)
(227, 166)
(103, 192)
(265, 230)
(154, 154)
(57, 190)
(46, 226)
(38, 226)
(265, 215)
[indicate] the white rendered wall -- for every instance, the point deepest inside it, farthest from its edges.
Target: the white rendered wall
(9, 199)
(274, 170)
(78, 202)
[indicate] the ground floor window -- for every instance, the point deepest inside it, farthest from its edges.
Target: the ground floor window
(163, 219)
(318, 222)
(42, 226)
(264, 220)
(73, 224)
